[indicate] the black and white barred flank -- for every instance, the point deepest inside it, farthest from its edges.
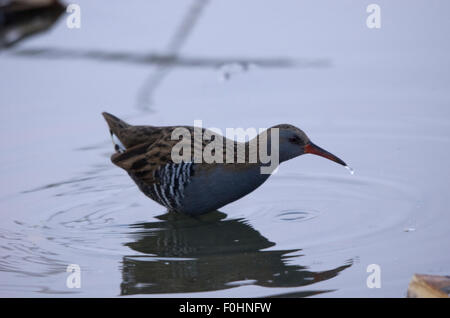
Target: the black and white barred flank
(173, 178)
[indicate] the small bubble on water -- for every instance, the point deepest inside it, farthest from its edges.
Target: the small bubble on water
(350, 169)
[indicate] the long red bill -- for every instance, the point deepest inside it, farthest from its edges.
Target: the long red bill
(316, 150)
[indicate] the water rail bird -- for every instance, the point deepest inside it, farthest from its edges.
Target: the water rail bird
(196, 186)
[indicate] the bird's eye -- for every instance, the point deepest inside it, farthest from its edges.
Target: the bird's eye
(294, 139)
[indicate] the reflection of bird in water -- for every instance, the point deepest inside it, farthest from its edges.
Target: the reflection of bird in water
(184, 254)
(22, 18)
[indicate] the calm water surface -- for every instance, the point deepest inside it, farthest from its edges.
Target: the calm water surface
(380, 101)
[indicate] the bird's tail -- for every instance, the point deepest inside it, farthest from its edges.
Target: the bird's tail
(115, 124)
(117, 129)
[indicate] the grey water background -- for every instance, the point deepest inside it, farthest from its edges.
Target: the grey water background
(377, 98)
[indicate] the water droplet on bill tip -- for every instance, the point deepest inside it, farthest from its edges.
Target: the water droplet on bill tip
(350, 169)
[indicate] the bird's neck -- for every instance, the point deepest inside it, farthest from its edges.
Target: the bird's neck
(266, 151)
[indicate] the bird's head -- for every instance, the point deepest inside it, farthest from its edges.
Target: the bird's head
(293, 142)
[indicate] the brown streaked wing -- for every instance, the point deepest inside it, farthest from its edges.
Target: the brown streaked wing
(135, 161)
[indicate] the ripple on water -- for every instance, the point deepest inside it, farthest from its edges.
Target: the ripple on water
(328, 208)
(293, 215)
(162, 252)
